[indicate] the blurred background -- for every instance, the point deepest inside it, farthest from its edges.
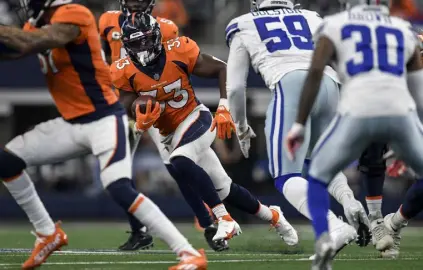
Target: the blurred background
(73, 189)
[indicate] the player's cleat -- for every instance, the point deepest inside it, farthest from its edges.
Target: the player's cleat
(341, 237)
(283, 227)
(394, 251)
(190, 261)
(382, 240)
(45, 246)
(219, 245)
(137, 240)
(227, 228)
(325, 251)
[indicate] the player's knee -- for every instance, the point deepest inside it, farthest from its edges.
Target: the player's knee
(223, 189)
(280, 181)
(123, 192)
(10, 164)
(182, 163)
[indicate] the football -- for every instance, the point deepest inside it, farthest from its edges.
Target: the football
(142, 101)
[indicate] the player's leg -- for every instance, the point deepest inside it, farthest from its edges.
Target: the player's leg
(239, 197)
(408, 146)
(287, 174)
(346, 135)
(190, 140)
(48, 142)
(372, 167)
(191, 197)
(138, 238)
(200, 210)
(108, 139)
(322, 114)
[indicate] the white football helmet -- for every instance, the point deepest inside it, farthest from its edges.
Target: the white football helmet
(346, 4)
(271, 4)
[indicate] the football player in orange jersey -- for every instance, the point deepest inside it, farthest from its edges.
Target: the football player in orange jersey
(110, 31)
(162, 71)
(92, 121)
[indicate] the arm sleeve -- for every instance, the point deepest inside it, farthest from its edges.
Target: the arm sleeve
(236, 82)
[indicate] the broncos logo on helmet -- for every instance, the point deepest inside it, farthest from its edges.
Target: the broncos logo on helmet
(141, 38)
(132, 6)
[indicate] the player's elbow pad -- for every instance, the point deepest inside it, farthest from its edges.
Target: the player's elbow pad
(415, 83)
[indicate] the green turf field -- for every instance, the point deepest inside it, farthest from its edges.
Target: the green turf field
(91, 246)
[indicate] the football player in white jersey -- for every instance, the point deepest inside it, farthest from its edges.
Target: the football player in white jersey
(277, 39)
(378, 60)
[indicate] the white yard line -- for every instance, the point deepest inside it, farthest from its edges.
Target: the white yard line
(210, 261)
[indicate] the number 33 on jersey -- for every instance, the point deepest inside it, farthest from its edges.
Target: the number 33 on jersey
(168, 82)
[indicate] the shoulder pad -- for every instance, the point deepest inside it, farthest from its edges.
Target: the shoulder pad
(118, 73)
(73, 14)
(108, 21)
(168, 29)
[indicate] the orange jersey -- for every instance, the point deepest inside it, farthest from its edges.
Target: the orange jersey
(77, 75)
(168, 81)
(110, 30)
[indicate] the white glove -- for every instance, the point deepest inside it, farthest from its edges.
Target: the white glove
(294, 139)
(355, 214)
(244, 137)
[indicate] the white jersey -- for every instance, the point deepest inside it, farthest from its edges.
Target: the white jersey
(277, 41)
(372, 51)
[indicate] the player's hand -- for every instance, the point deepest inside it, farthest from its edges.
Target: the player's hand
(145, 121)
(396, 169)
(357, 217)
(223, 121)
(244, 137)
(294, 139)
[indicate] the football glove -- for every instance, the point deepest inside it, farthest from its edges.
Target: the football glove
(147, 120)
(244, 137)
(294, 139)
(396, 169)
(223, 121)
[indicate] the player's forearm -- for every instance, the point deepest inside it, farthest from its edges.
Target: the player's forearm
(26, 42)
(308, 95)
(222, 83)
(14, 39)
(237, 105)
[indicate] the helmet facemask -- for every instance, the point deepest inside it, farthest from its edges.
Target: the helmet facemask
(143, 47)
(133, 6)
(257, 5)
(31, 10)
